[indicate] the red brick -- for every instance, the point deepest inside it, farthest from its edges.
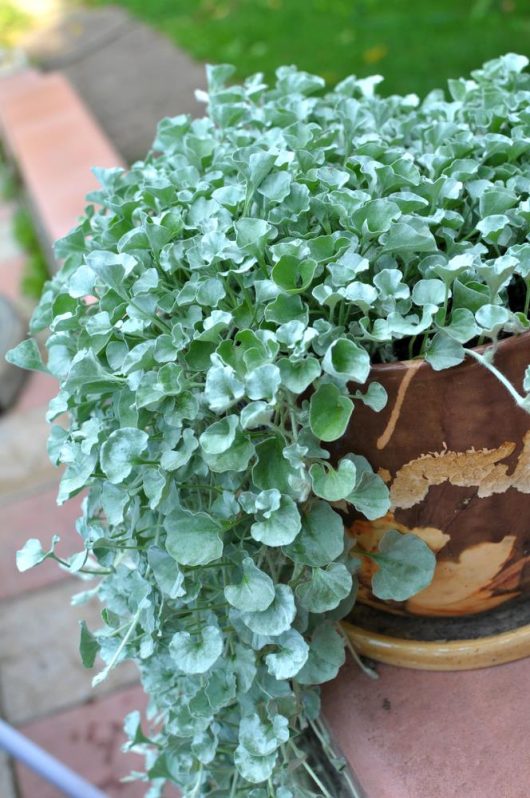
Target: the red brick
(419, 734)
(88, 739)
(36, 516)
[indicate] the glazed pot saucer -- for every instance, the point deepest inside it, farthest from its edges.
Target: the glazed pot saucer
(478, 641)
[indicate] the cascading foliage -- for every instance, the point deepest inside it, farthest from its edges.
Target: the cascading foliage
(212, 329)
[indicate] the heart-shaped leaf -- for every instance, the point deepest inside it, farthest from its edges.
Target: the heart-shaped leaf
(406, 566)
(329, 412)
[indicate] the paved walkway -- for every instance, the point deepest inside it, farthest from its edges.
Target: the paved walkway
(129, 75)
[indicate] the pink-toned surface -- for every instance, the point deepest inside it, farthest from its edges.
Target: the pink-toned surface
(38, 391)
(12, 256)
(11, 270)
(36, 516)
(419, 734)
(16, 84)
(56, 142)
(88, 739)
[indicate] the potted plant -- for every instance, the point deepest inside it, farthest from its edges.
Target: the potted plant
(227, 328)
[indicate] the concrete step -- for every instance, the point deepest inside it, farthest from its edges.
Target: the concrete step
(421, 734)
(55, 142)
(129, 75)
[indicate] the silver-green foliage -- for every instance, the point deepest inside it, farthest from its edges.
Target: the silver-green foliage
(244, 277)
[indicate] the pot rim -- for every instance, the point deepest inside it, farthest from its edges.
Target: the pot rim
(441, 655)
(425, 371)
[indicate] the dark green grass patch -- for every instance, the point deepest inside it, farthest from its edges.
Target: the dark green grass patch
(415, 44)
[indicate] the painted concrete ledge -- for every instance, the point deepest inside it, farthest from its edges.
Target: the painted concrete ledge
(129, 75)
(420, 734)
(55, 142)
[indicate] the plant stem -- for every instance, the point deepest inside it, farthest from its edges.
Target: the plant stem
(106, 572)
(365, 668)
(307, 766)
(520, 401)
(81, 570)
(105, 672)
(234, 785)
(323, 742)
(194, 793)
(324, 738)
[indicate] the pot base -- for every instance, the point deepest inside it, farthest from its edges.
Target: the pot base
(442, 644)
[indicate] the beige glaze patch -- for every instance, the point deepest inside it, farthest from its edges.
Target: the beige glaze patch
(385, 474)
(369, 533)
(383, 439)
(465, 586)
(473, 468)
(481, 579)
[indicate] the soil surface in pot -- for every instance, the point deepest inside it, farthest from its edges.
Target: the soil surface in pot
(502, 619)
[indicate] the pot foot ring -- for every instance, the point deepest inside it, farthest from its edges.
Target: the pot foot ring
(442, 644)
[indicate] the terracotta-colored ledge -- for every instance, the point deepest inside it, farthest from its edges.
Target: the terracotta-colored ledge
(55, 143)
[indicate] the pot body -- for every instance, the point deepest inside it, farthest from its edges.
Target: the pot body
(455, 451)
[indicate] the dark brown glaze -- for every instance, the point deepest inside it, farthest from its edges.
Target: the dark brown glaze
(455, 451)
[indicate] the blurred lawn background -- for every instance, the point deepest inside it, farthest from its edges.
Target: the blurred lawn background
(13, 22)
(415, 44)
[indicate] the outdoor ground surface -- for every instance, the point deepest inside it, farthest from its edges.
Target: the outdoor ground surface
(415, 44)
(44, 690)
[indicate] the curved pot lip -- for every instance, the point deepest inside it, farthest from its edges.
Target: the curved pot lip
(441, 655)
(425, 371)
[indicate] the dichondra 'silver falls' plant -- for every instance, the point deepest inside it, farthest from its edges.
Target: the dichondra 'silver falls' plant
(212, 328)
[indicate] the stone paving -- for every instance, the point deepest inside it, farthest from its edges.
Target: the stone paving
(129, 75)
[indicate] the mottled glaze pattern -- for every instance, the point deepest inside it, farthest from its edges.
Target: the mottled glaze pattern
(455, 452)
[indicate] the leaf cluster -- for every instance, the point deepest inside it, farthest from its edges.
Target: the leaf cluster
(212, 329)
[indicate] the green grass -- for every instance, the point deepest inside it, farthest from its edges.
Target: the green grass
(35, 271)
(8, 182)
(415, 44)
(13, 21)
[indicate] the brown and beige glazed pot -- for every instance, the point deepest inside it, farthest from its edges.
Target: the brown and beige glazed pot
(454, 450)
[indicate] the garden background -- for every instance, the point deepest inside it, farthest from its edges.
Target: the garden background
(416, 45)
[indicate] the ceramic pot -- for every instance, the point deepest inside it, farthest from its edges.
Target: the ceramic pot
(455, 451)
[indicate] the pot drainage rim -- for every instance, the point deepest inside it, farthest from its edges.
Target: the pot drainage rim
(492, 638)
